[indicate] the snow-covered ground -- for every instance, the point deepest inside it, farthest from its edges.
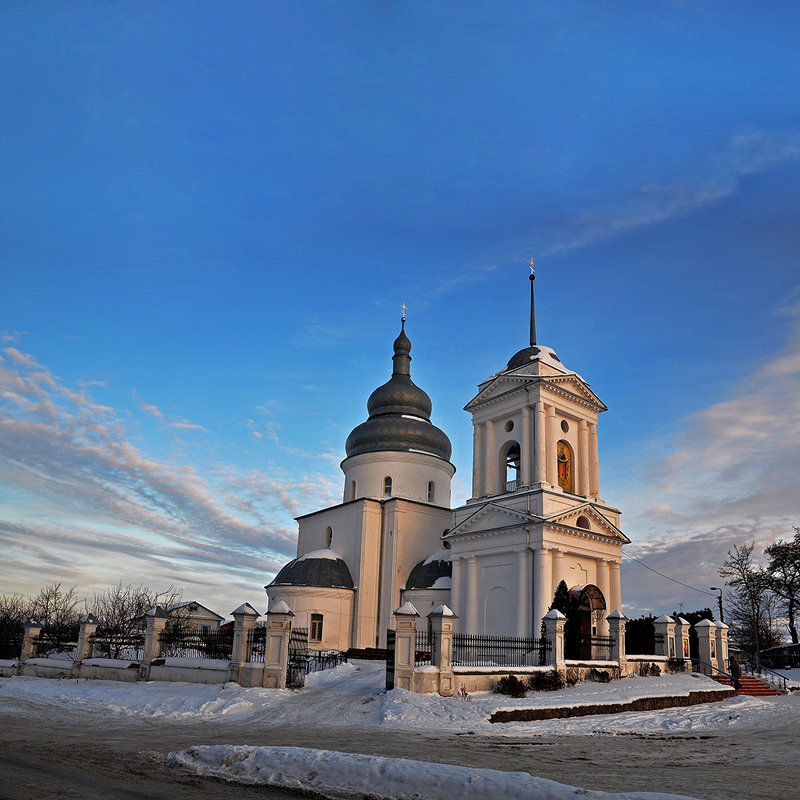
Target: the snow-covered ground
(349, 775)
(353, 696)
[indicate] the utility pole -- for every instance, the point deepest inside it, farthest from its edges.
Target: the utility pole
(719, 600)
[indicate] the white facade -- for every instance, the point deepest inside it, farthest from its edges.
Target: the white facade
(535, 516)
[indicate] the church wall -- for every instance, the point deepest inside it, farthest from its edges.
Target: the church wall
(335, 606)
(412, 532)
(410, 474)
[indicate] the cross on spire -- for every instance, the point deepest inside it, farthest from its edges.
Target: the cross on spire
(403, 306)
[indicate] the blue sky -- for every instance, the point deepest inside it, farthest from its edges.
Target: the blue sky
(211, 213)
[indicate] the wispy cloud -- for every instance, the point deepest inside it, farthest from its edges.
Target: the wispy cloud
(77, 489)
(747, 152)
(731, 477)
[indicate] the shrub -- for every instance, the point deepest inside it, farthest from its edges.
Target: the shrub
(600, 675)
(549, 681)
(676, 665)
(511, 685)
(573, 675)
(647, 670)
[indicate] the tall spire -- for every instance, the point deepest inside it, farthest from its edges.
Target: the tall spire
(533, 310)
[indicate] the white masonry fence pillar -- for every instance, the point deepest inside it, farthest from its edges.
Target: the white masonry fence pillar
(32, 630)
(405, 645)
(665, 636)
(707, 642)
(722, 645)
(554, 635)
(616, 630)
(88, 625)
(155, 621)
(682, 648)
(441, 625)
(244, 620)
(276, 645)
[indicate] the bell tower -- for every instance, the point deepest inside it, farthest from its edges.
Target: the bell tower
(535, 428)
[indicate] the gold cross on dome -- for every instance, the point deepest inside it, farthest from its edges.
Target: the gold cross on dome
(404, 312)
(532, 266)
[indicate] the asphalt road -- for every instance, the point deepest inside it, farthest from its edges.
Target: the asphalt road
(56, 752)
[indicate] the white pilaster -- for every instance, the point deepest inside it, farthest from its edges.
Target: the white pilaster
(594, 462)
(458, 591)
(524, 594)
(477, 458)
(604, 585)
(583, 458)
(539, 452)
(472, 595)
(542, 581)
(490, 476)
(551, 461)
(526, 448)
(615, 599)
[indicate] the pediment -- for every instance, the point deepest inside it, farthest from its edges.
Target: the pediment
(492, 516)
(598, 523)
(577, 386)
(500, 385)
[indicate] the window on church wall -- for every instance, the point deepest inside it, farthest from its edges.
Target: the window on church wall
(387, 485)
(431, 491)
(512, 462)
(565, 466)
(315, 629)
(328, 536)
(352, 490)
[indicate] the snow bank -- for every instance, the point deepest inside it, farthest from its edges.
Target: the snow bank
(349, 775)
(353, 695)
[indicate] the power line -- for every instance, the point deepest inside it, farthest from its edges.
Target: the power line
(674, 580)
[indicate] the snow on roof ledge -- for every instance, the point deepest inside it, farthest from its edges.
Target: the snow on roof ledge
(279, 607)
(664, 618)
(554, 613)
(246, 609)
(325, 553)
(441, 611)
(407, 610)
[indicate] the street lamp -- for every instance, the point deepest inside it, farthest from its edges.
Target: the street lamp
(719, 600)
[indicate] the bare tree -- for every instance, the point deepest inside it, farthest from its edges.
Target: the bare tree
(58, 609)
(119, 611)
(14, 611)
(750, 601)
(784, 577)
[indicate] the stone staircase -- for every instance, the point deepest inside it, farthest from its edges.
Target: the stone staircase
(750, 686)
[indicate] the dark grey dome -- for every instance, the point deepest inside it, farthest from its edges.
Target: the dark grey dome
(399, 414)
(309, 570)
(522, 357)
(427, 572)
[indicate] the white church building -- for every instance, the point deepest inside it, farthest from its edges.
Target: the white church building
(535, 517)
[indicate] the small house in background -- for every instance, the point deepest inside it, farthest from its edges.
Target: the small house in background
(784, 656)
(196, 615)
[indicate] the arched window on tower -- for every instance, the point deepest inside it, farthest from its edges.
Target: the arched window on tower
(352, 490)
(565, 466)
(512, 468)
(431, 491)
(387, 485)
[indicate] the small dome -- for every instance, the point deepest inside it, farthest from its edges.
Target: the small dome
(534, 353)
(434, 572)
(320, 568)
(399, 414)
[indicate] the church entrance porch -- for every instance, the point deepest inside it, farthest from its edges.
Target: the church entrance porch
(584, 612)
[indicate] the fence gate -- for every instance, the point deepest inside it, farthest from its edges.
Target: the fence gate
(390, 645)
(297, 666)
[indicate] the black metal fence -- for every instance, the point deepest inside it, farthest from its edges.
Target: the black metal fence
(196, 643)
(109, 643)
(426, 640)
(11, 644)
(256, 642)
(471, 650)
(598, 647)
(54, 646)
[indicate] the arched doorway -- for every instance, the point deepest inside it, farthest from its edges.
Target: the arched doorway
(586, 609)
